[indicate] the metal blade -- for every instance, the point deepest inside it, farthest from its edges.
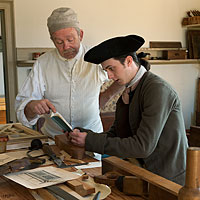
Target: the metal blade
(47, 149)
(97, 196)
(60, 192)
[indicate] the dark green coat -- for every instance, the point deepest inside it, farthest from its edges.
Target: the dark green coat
(156, 133)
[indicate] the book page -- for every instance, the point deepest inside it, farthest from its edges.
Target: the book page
(59, 119)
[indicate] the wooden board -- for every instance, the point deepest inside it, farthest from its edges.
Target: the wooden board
(159, 44)
(193, 43)
(17, 132)
(196, 45)
(158, 186)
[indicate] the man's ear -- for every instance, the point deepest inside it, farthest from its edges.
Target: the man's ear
(81, 34)
(129, 60)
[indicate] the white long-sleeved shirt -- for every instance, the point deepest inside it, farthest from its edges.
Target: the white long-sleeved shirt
(72, 86)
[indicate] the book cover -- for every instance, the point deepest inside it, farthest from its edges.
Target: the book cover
(60, 121)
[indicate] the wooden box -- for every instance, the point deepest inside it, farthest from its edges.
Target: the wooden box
(194, 20)
(174, 54)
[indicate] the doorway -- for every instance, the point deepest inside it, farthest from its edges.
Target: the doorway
(2, 82)
(8, 72)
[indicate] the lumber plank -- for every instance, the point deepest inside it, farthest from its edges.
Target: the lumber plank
(116, 164)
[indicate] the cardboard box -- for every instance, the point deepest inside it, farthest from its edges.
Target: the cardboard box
(174, 54)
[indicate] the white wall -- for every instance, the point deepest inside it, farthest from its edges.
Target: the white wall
(154, 20)
(183, 78)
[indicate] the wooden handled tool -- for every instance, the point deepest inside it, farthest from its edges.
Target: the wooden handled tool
(130, 185)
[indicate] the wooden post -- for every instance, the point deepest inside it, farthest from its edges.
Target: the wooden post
(198, 104)
(191, 190)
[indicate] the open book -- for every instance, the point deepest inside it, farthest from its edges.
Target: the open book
(58, 118)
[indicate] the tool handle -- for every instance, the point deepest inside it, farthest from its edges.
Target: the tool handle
(47, 150)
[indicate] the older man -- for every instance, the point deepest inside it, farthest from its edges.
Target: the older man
(62, 81)
(149, 125)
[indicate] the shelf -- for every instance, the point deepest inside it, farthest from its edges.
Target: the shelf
(161, 49)
(181, 61)
(192, 26)
(29, 63)
(25, 63)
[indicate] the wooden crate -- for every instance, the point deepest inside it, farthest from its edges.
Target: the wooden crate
(194, 20)
(175, 54)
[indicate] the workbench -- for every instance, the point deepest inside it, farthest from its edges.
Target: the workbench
(158, 187)
(10, 190)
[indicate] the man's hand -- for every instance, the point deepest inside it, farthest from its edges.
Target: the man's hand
(77, 137)
(38, 107)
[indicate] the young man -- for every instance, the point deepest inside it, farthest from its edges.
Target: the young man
(149, 124)
(62, 81)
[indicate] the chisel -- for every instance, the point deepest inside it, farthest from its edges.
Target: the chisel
(48, 150)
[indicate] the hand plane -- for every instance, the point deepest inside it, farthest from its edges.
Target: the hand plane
(130, 185)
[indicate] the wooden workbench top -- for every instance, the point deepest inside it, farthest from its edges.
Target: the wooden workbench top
(10, 190)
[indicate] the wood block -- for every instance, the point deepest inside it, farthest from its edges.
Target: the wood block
(80, 187)
(64, 144)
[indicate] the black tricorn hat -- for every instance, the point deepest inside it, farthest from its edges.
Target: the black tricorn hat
(114, 47)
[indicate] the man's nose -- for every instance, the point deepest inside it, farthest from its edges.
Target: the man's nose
(110, 75)
(66, 45)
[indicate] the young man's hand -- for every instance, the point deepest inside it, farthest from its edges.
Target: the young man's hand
(77, 137)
